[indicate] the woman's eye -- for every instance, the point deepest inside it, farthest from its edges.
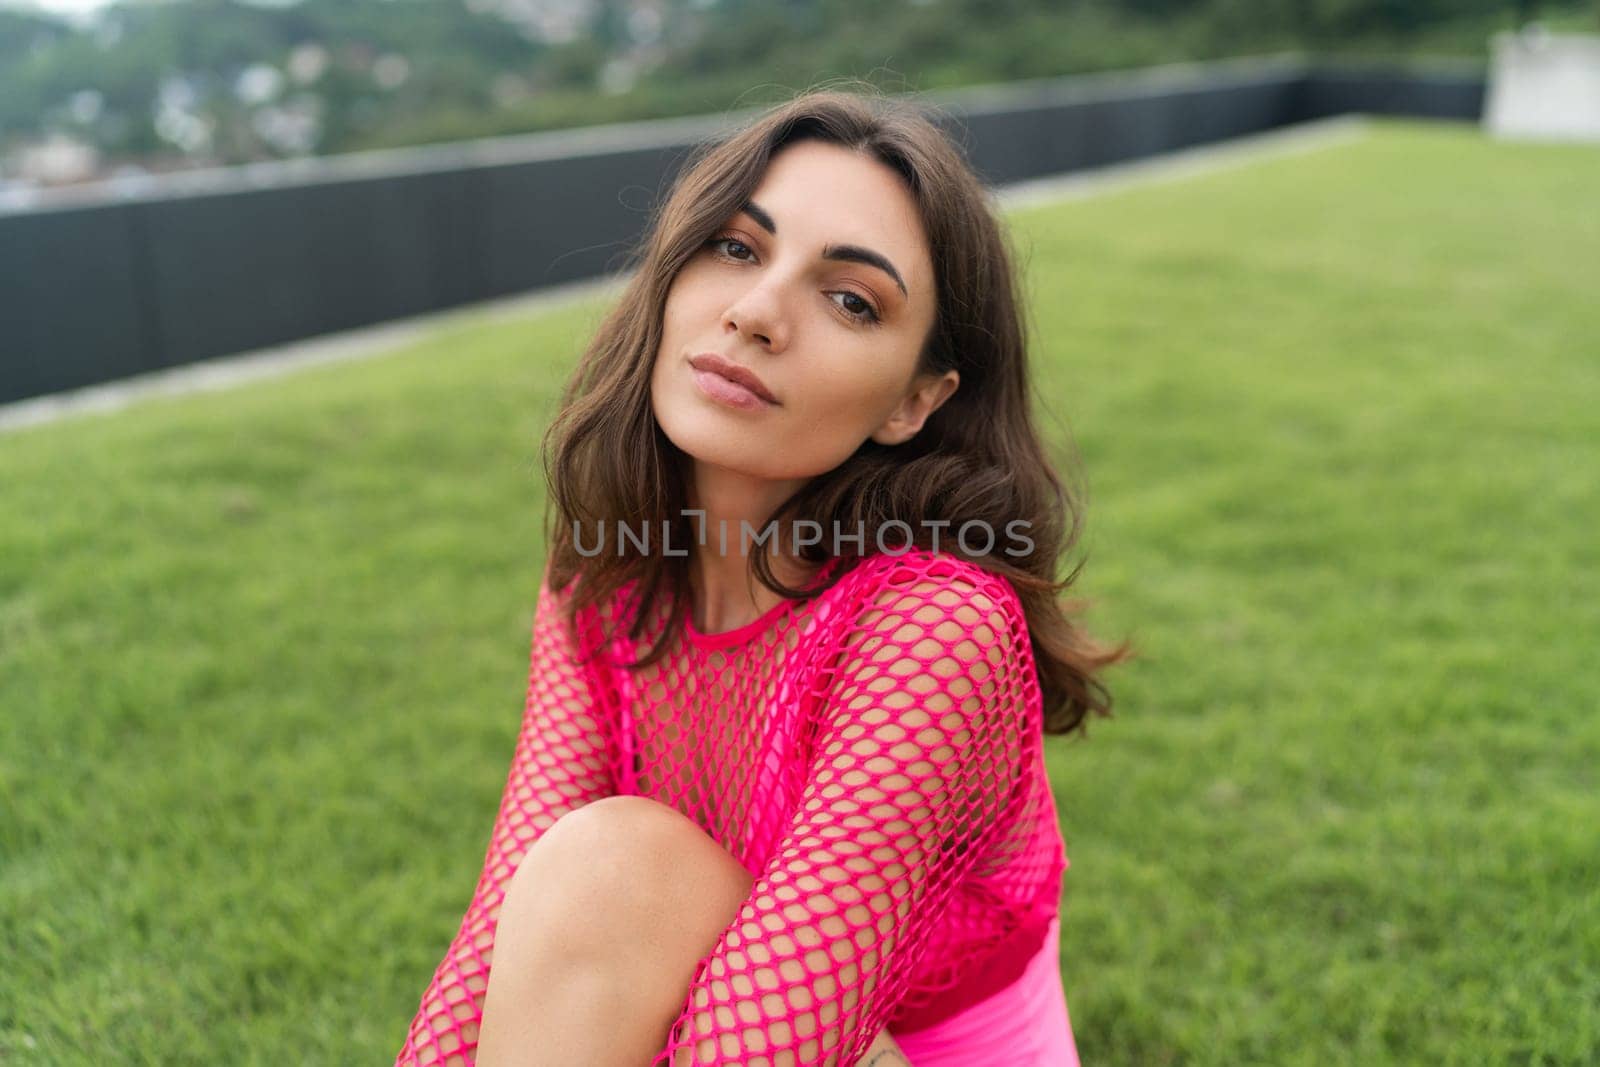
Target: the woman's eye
(734, 241)
(857, 307)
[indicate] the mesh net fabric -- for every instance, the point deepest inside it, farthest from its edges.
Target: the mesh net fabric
(872, 755)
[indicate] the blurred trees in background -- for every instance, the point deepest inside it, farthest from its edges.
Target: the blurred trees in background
(160, 84)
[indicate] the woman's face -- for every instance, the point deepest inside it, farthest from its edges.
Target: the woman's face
(822, 288)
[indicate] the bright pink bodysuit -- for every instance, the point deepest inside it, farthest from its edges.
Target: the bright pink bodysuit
(873, 756)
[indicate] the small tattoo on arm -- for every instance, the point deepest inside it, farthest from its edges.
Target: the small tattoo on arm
(887, 1058)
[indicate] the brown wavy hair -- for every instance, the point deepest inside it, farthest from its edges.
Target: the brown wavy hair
(977, 458)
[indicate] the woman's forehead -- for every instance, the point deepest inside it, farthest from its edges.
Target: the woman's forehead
(821, 194)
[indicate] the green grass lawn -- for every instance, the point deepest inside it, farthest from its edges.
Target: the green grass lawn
(262, 653)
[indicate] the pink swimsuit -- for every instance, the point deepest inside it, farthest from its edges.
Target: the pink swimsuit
(1025, 1023)
(873, 756)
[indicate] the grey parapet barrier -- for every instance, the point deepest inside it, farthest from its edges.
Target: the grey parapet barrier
(105, 281)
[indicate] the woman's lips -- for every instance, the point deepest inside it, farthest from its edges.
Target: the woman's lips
(728, 392)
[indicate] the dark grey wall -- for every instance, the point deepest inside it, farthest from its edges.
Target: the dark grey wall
(1438, 90)
(101, 283)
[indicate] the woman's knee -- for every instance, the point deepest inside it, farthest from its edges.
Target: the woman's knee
(636, 853)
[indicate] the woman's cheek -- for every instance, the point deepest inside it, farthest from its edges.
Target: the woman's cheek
(835, 433)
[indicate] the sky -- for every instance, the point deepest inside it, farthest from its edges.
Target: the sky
(81, 8)
(59, 7)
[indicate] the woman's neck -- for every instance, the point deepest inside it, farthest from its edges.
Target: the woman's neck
(726, 594)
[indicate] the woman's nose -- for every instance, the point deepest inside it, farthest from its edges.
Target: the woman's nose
(760, 315)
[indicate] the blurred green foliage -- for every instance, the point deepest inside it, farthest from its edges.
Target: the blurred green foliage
(176, 83)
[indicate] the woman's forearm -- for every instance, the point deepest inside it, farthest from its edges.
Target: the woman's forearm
(883, 1052)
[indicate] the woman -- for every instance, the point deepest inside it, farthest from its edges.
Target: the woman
(779, 796)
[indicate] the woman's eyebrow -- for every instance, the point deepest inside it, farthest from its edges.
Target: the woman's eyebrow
(847, 253)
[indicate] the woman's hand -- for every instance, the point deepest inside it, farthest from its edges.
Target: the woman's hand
(883, 1052)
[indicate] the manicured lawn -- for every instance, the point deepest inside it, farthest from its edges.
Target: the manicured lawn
(262, 653)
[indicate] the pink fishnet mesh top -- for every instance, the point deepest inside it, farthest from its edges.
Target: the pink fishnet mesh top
(872, 755)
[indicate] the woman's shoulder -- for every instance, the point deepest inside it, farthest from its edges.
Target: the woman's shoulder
(918, 574)
(919, 591)
(591, 628)
(936, 629)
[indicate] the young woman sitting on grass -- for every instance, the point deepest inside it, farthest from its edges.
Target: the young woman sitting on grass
(779, 795)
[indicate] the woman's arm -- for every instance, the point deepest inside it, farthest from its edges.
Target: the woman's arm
(918, 752)
(565, 758)
(883, 1052)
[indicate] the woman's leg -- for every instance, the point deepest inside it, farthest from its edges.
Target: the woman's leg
(599, 935)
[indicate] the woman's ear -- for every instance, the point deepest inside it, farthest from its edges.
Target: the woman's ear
(930, 392)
